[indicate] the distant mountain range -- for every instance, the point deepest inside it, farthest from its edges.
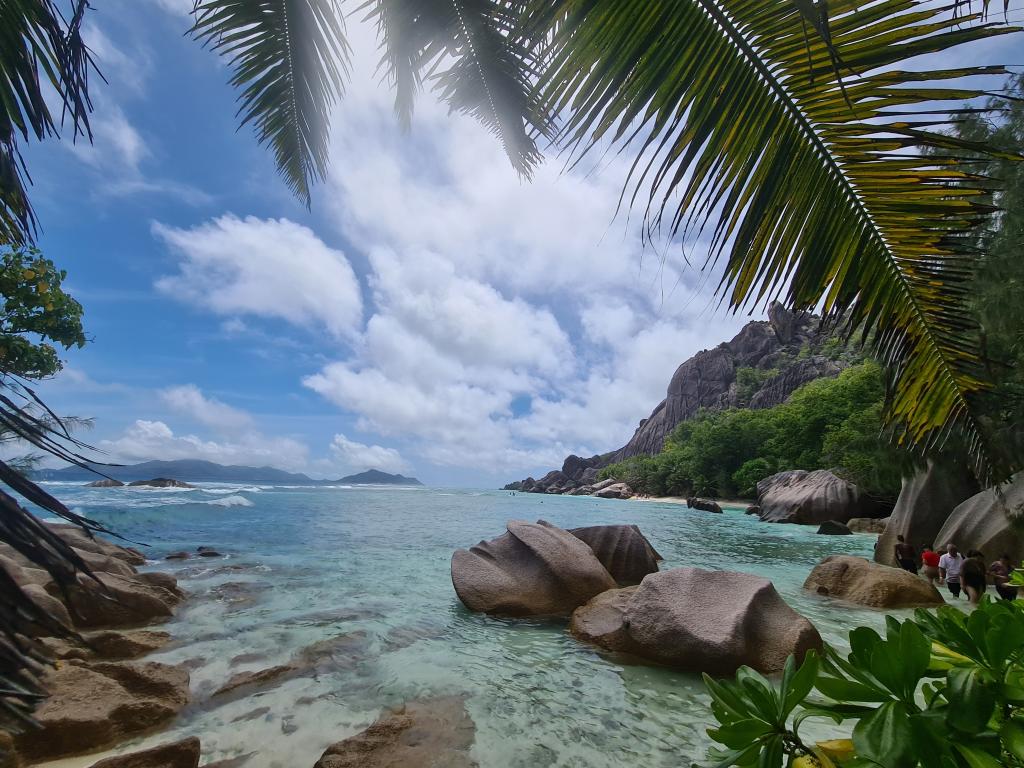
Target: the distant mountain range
(195, 470)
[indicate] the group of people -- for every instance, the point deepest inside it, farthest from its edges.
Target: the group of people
(959, 573)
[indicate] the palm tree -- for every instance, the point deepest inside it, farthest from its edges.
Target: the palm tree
(787, 132)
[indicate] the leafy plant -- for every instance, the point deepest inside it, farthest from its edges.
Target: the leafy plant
(35, 312)
(942, 690)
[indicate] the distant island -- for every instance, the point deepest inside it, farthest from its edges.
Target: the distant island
(376, 477)
(196, 470)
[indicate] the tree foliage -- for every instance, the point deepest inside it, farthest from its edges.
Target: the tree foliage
(942, 690)
(36, 311)
(828, 423)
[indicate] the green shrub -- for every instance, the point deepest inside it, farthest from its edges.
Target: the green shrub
(941, 690)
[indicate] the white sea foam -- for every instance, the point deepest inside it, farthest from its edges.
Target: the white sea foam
(230, 501)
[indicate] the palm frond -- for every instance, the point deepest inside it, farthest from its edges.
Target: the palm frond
(290, 60)
(41, 47)
(470, 52)
(807, 178)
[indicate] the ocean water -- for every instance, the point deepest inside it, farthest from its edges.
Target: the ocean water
(303, 565)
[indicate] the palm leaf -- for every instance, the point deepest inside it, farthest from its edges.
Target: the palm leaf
(474, 60)
(806, 177)
(290, 60)
(40, 47)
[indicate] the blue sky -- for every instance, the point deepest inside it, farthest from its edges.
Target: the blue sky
(432, 314)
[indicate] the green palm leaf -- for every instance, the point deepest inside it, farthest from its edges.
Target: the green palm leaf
(290, 60)
(806, 176)
(39, 47)
(475, 61)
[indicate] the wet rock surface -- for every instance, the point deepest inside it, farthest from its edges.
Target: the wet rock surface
(98, 704)
(812, 498)
(860, 581)
(622, 549)
(697, 620)
(532, 570)
(178, 754)
(433, 733)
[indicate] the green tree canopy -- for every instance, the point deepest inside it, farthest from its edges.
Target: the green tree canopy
(826, 424)
(36, 314)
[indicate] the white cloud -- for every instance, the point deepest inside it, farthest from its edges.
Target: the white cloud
(117, 147)
(512, 323)
(190, 401)
(358, 456)
(145, 440)
(263, 267)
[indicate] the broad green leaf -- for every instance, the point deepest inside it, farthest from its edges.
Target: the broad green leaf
(848, 690)
(975, 758)
(885, 736)
(741, 733)
(972, 699)
(797, 685)
(771, 753)
(1012, 736)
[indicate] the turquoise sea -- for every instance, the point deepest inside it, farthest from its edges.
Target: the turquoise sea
(303, 565)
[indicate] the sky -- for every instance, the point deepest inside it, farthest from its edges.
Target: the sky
(431, 314)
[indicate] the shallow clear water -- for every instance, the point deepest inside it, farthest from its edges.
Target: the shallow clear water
(307, 564)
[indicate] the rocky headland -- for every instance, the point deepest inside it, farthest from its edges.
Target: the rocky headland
(789, 350)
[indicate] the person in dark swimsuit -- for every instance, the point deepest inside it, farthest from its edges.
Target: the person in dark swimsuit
(1001, 571)
(906, 555)
(972, 575)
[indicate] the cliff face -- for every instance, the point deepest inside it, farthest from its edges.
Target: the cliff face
(783, 354)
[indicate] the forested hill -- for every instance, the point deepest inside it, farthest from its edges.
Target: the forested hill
(759, 368)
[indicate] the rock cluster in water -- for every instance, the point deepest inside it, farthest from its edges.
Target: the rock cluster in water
(714, 621)
(99, 693)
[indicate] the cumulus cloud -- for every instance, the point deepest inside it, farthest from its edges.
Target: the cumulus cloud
(145, 440)
(263, 267)
(208, 411)
(358, 456)
(512, 322)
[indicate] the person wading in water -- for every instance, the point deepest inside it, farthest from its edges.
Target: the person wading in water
(906, 555)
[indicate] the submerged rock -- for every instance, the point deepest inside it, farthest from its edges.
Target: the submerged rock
(867, 524)
(877, 586)
(811, 498)
(104, 483)
(533, 570)
(435, 732)
(832, 528)
(622, 549)
(697, 620)
(97, 705)
(178, 754)
(991, 521)
(753, 509)
(924, 505)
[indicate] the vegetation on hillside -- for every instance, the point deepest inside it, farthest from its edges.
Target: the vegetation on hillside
(826, 424)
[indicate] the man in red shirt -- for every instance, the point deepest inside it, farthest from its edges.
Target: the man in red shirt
(930, 565)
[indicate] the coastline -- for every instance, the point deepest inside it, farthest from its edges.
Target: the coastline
(734, 503)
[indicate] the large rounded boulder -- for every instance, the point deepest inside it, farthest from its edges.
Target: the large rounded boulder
(924, 505)
(991, 521)
(700, 621)
(811, 498)
(860, 581)
(533, 570)
(622, 549)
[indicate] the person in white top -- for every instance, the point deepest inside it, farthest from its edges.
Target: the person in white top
(949, 570)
